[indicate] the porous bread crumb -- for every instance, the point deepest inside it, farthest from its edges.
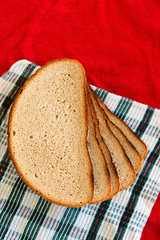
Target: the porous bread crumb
(123, 166)
(48, 132)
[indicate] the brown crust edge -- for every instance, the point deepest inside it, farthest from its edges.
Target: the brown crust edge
(129, 143)
(105, 164)
(112, 195)
(129, 163)
(10, 144)
(130, 130)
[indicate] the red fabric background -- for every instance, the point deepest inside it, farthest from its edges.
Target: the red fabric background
(118, 42)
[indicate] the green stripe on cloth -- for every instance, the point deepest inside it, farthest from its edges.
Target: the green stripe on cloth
(66, 224)
(98, 91)
(32, 228)
(11, 96)
(145, 121)
(10, 208)
(98, 219)
(123, 107)
(103, 95)
(65, 219)
(150, 161)
(71, 224)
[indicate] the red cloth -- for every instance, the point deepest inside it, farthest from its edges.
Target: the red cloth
(118, 42)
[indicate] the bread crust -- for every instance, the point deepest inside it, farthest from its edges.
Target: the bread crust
(105, 164)
(129, 144)
(103, 106)
(11, 152)
(115, 170)
(116, 140)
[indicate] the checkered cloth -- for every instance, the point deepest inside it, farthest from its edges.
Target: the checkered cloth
(25, 215)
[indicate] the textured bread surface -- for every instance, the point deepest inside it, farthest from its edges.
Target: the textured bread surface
(123, 166)
(130, 135)
(111, 168)
(130, 151)
(102, 184)
(48, 134)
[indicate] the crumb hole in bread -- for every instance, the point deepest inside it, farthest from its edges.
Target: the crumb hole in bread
(56, 116)
(14, 133)
(21, 91)
(35, 175)
(31, 137)
(63, 101)
(74, 110)
(69, 74)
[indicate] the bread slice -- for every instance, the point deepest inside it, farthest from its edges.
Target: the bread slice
(123, 166)
(130, 150)
(102, 183)
(115, 185)
(130, 135)
(48, 134)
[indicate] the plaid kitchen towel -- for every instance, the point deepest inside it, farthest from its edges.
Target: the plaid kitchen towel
(25, 215)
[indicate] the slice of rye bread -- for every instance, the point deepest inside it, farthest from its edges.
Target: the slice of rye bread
(130, 135)
(115, 185)
(122, 163)
(130, 150)
(102, 183)
(47, 134)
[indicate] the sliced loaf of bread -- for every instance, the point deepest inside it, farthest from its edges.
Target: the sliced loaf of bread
(115, 185)
(130, 135)
(48, 134)
(122, 163)
(129, 149)
(102, 183)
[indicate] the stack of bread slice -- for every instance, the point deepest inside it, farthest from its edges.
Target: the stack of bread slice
(65, 144)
